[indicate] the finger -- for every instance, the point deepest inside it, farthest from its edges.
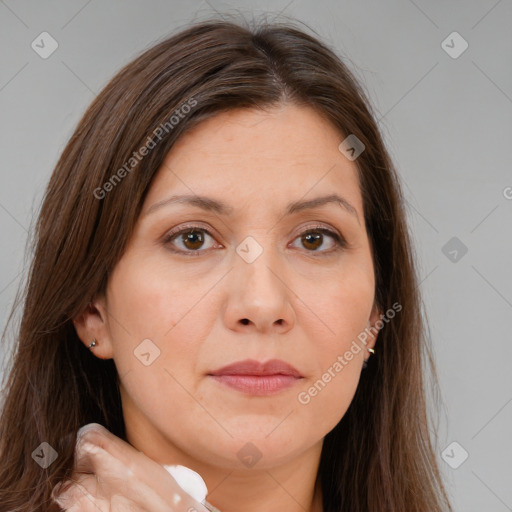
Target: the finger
(105, 476)
(78, 497)
(111, 479)
(98, 435)
(135, 463)
(75, 497)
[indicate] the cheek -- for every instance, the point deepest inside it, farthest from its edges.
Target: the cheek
(325, 399)
(152, 311)
(340, 307)
(158, 322)
(329, 389)
(154, 302)
(339, 314)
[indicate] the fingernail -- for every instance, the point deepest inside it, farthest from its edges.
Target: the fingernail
(85, 428)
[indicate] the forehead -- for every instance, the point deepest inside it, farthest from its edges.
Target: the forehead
(270, 157)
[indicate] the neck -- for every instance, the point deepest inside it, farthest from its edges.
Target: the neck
(273, 490)
(290, 486)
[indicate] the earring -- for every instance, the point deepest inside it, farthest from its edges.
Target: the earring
(93, 343)
(365, 362)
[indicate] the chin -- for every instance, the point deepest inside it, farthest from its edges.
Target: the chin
(253, 447)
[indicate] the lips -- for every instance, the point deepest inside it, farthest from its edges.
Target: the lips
(257, 378)
(258, 368)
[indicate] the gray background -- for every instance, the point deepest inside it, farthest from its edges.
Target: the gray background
(447, 122)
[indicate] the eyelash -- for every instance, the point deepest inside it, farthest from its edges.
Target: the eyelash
(340, 241)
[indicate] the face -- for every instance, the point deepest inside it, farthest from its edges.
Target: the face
(202, 286)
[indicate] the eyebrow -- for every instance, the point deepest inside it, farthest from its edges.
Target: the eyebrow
(213, 205)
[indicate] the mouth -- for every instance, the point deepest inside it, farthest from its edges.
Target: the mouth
(257, 378)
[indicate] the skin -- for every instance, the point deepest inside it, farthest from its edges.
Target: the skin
(305, 303)
(111, 475)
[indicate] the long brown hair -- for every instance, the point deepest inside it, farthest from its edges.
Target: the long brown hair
(380, 457)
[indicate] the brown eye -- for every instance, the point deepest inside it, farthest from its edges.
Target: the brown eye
(193, 239)
(313, 239)
(188, 240)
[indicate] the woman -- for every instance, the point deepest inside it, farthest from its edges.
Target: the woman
(223, 279)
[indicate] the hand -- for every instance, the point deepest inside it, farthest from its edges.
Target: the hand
(110, 475)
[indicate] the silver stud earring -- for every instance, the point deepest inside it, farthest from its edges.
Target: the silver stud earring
(92, 344)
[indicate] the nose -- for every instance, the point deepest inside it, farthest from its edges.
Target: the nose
(259, 296)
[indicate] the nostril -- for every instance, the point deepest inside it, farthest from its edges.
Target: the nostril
(245, 321)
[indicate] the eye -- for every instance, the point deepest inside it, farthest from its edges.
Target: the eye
(191, 239)
(313, 238)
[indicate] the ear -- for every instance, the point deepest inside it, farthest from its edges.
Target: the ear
(92, 324)
(372, 329)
